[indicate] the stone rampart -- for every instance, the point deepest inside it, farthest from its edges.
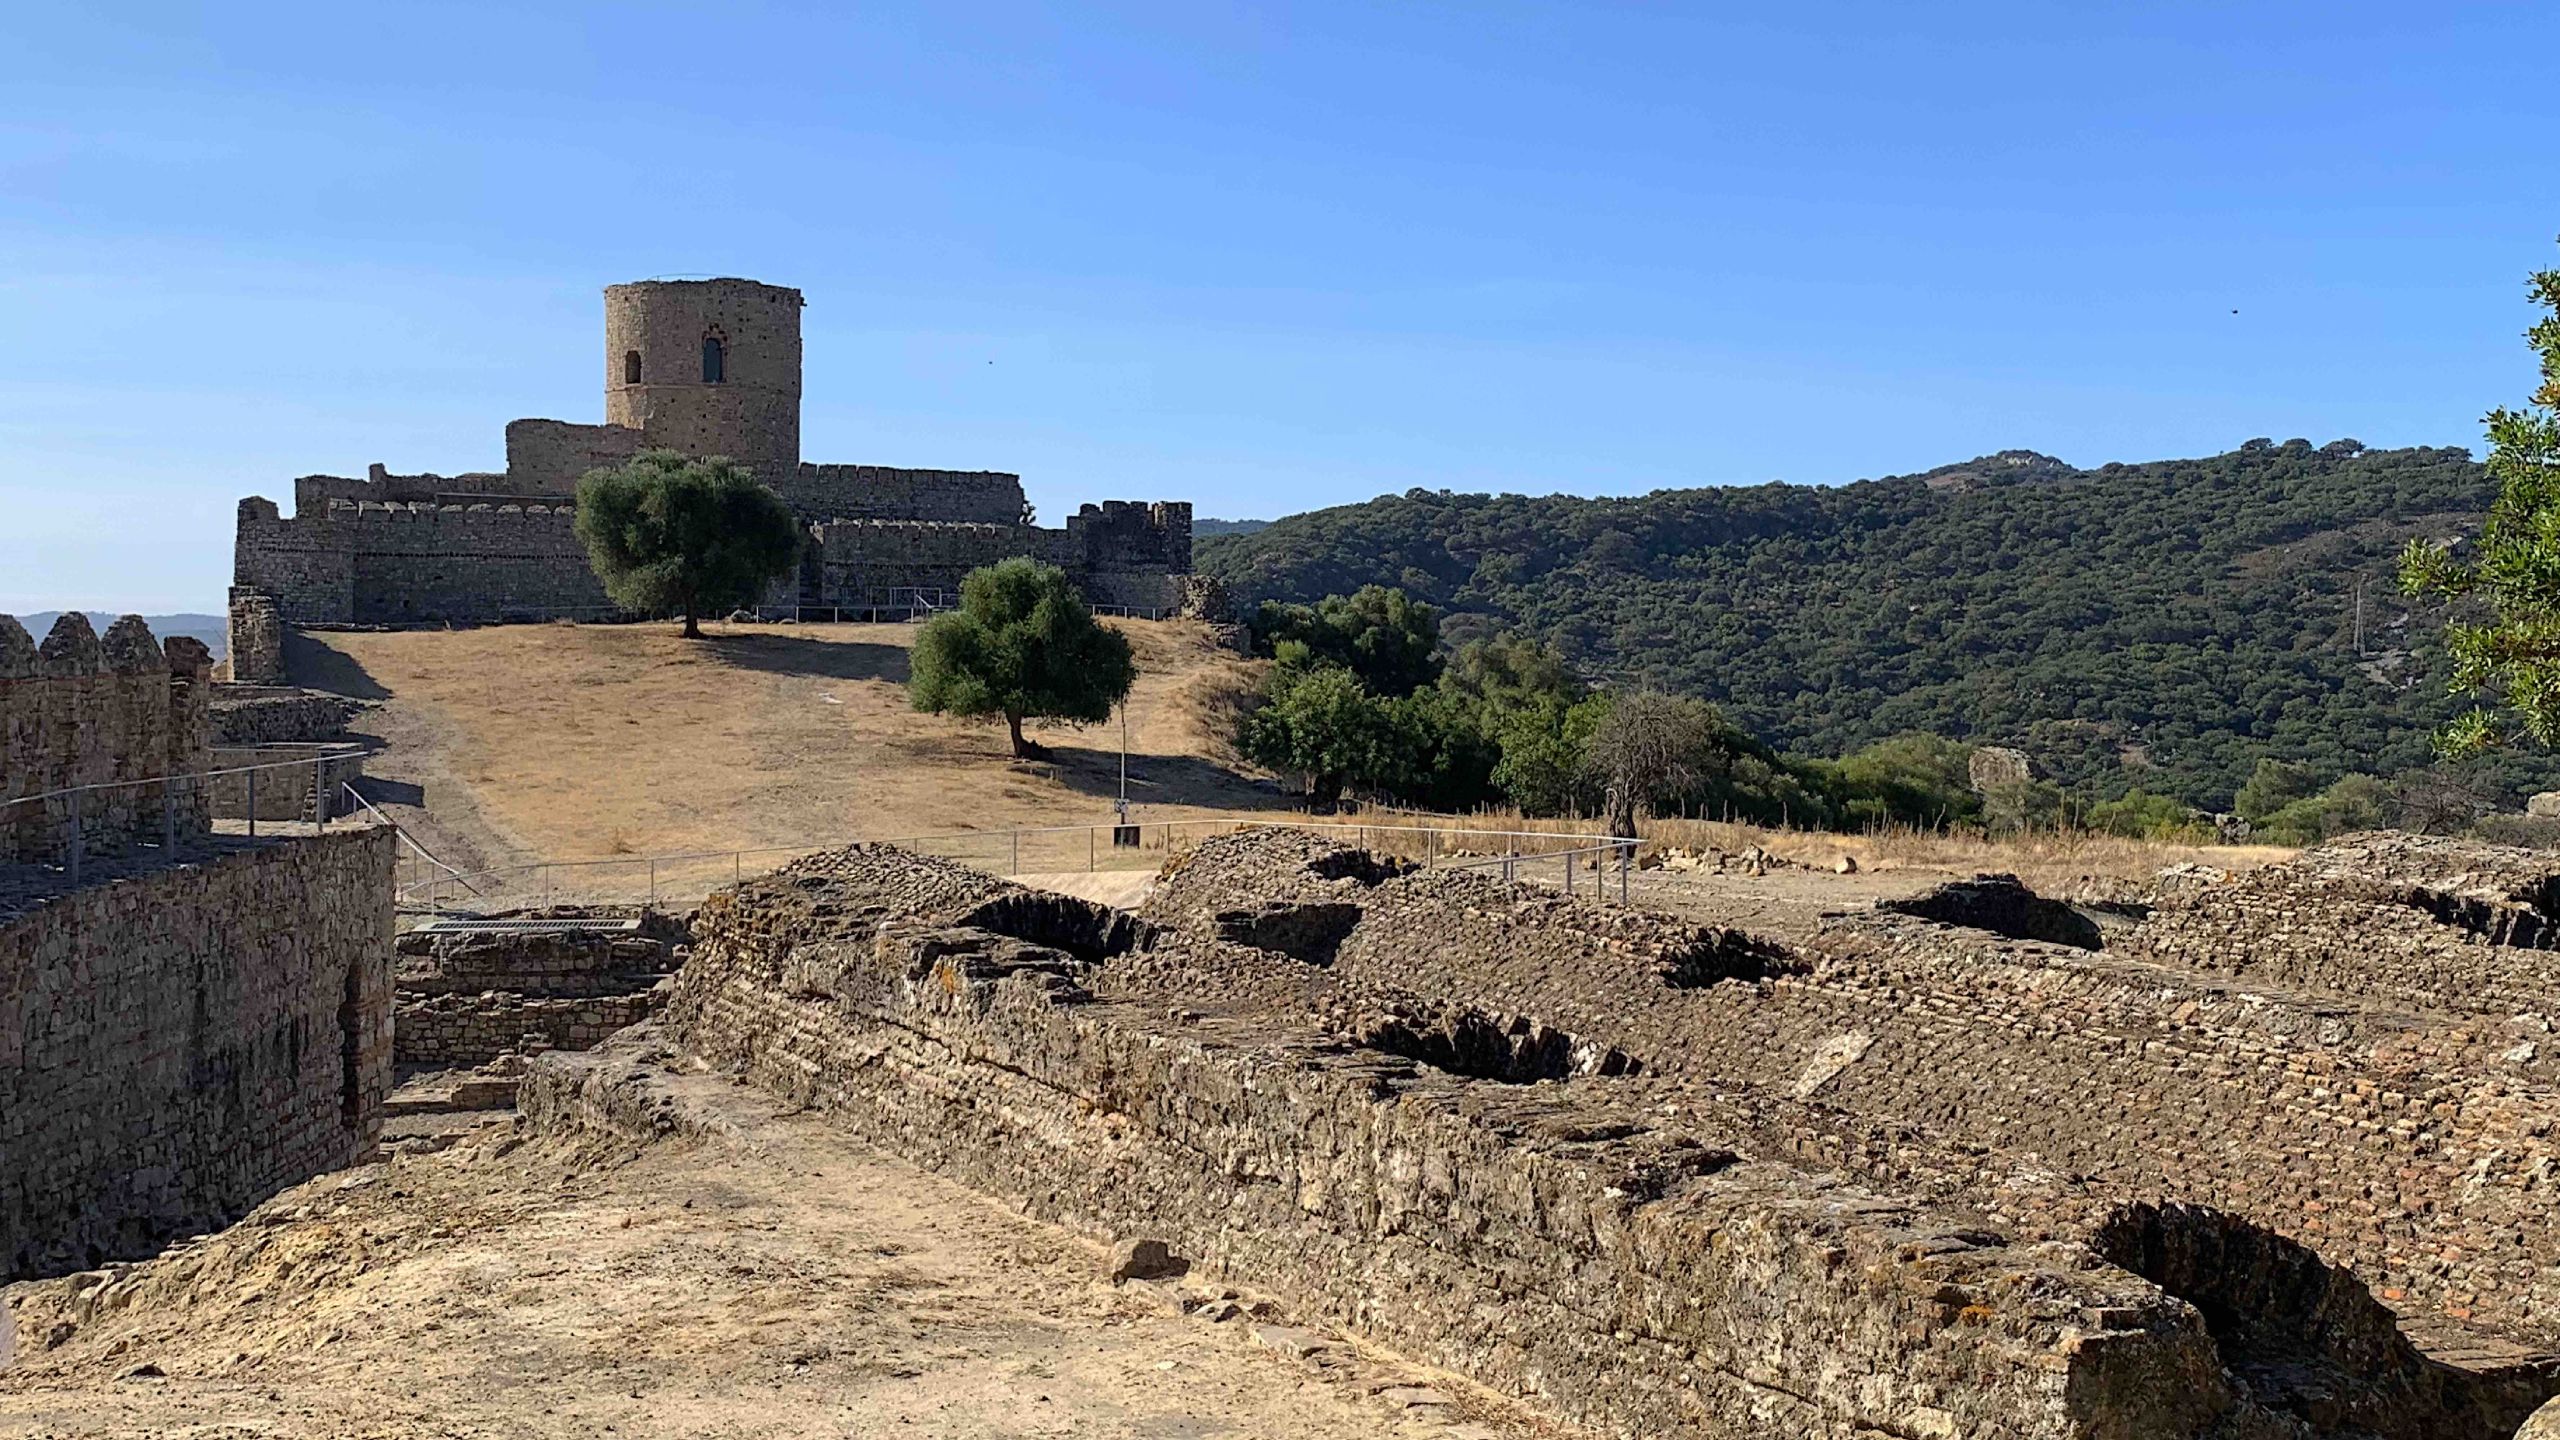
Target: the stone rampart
(466, 997)
(177, 1044)
(2426, 921)
(123, 712)
(395, 562)
(889, 492)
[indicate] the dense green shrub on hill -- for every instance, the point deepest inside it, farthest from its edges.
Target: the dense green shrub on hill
(2160, 626)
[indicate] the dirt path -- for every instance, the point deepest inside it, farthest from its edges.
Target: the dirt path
(787, 1283)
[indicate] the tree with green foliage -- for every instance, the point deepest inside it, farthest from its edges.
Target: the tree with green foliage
(1388, 639)
(1924, 781)
(2513, 573)
(2140, 815)
(1023, 645)
(696, 536)
(2357, 802)
(2165, 624)
(2274, 785)
(1320, 724)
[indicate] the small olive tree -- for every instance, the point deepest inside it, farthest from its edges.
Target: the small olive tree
(696, 536)
(1023, 645)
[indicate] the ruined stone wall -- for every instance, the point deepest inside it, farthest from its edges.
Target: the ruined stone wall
(890, 492)
(1583, 1241)
(547, 457)
(253, 647)
(2432, 922)
(2033, 1085)
(398, 563)
(1119, 558)
(177, 1044)
(80, 710)
(474, 1029)
(268, 714)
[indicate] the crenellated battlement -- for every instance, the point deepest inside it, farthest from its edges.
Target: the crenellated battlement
(123, 710)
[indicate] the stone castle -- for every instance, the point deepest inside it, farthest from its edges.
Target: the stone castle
(706, 367)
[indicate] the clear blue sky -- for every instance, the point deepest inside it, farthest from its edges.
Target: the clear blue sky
(1262, 258)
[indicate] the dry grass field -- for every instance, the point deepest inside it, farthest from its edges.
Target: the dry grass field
(563, 742)
(573, 743)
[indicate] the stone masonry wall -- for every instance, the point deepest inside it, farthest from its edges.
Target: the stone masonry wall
(395, 563)
(1581, 1241)
(177, 1044)
(2035, 1086)
(547, 457)
(268, 714)
(253, 651)
(285, 793)
(890, 492)
(474, 1029)
(79, 710)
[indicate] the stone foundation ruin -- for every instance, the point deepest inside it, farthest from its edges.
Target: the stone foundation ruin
(188, 1020)
(1958, 1167)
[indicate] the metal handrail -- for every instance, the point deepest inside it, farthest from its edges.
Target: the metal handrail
(186, 777)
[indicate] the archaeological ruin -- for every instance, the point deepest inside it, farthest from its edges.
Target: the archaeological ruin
(190, 1018)
(706, 367)
(2268, 1156)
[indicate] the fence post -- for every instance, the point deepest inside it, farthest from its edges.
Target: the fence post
(319, 796)
(737, 866)
(253, 803)
(1625, 853)
(1568, 872)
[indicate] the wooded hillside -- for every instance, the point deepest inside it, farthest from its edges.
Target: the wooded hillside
(2162, 625)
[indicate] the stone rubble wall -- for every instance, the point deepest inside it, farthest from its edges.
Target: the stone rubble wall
(861, 563)
(80, 710)
(2425, 921)
(2033, 1085)
(1580, 1242)
(253, 645)
(454, 1029)
(246, 714)
(180, 1043)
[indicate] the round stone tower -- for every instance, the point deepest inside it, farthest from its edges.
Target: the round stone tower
(708, 367)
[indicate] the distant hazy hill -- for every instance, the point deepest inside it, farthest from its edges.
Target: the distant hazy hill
(1228, 527)
(2162, 624)
(211, 629)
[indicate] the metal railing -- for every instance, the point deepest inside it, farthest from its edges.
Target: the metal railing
(1137, 846)
(74, 819)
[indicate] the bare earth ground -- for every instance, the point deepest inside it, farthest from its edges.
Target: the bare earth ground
(780, 1282)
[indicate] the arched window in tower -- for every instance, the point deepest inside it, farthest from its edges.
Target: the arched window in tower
(715, 360)
(630, 367)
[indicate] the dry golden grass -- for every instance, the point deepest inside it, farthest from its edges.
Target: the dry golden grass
(572, 743)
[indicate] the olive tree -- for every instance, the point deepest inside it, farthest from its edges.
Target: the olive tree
(695, 536)
(1023, 645)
